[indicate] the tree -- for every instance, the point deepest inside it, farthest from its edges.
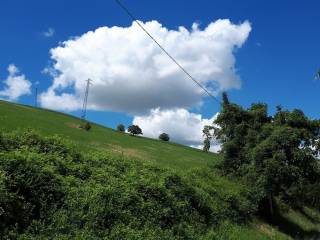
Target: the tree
(208, 136)
(206, 145)
(278, 152)
(121, 128)
(86, 126)
(164, 137)
(225, 98)
(135, 130)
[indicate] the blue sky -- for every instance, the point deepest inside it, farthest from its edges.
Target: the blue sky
(276, 63)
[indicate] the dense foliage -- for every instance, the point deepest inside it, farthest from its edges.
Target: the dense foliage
(135, 130)
(276, 154)
(86, 126)
(48, 190)
(164, 137)
(121, 128)
(207, 138)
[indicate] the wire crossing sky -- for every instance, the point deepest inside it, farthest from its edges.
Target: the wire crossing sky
(165, 51)
(257, 51)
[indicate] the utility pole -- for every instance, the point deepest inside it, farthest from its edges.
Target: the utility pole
(36, 98)
(85, 100)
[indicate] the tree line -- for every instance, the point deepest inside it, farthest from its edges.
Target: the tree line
(276, 154)
(136, 130)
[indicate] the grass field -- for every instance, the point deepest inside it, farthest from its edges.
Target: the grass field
(14, 116)
(164, 154)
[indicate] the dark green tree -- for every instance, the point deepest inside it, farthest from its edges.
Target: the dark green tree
(206, 145)
(135, 130)
(207, 137)
(278, 152)
(121, 128)
(225, 98)
(164, 137)
(86, 126)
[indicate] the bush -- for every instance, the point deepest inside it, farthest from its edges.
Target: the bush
(48, 190)
(85, 125)
(121, 128)
(164, 137)
(135, 130)
(31, 186)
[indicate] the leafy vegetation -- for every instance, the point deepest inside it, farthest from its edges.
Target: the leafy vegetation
(276, 154)
(49, 189)
(52, 188)
(135, 130)
(207, 138)
(121, 128)
(86, 126)
(164, 137)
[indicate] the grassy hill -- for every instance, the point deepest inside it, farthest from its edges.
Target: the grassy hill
(220, 198)
(13, 116)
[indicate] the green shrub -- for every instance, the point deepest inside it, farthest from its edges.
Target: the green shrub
(135, 130)
(164, 137)
(49, 190)
(121, 128)
(86, 126)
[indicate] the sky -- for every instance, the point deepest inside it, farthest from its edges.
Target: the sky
(257, 51)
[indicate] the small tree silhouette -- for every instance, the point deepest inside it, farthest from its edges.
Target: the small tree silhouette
(164, 137)
(121, 128)
(86, 126)
(134, 130)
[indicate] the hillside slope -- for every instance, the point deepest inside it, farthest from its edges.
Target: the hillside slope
(14, 116)
(186, 161)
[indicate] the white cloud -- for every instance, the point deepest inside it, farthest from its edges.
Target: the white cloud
(65, 101)
(131, 74)
(214, 147)
(16, 85)
(182, 126)
(49, 32)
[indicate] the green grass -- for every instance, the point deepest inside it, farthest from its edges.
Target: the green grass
(179, 157)
(299, 223)
(256, 230)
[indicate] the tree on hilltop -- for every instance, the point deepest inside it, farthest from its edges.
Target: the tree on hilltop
(207, 138)
(135, 130)
(121, 128)
(164, 137)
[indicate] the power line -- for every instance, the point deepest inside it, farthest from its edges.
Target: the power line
(165, 51)
(85, 100)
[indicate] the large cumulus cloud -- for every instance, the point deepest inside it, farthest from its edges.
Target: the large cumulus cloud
(131, 74)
